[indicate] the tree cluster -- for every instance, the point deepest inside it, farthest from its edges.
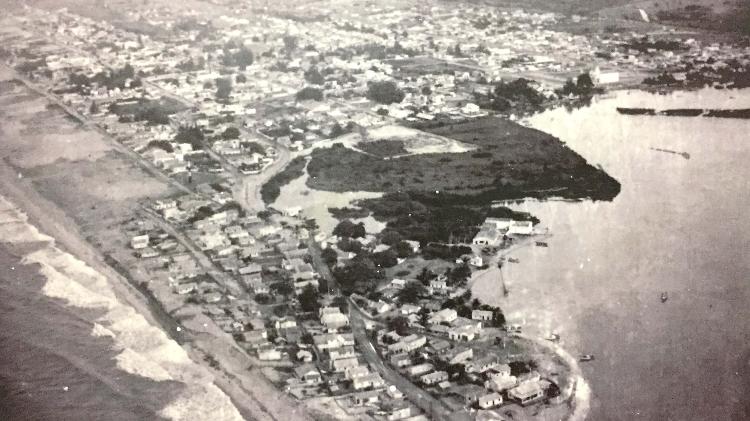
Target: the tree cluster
(190, 134)
(349, 229)
(411, 293)
(241, 58)
(385, 92)
(357, 275)
(583, 86)
(230, 133)
(308, 299)
(309, 94)
(519, 92)
(223, 88)
(313, 76)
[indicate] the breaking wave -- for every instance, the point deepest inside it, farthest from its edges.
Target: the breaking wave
(141, 349)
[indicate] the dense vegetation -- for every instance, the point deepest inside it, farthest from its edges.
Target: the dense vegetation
(443, 198)
(511, 162)
(383, 148)
(271, 190)
(153, 112)
(519, 94)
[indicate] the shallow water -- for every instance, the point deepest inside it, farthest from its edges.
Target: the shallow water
(679, 225)
(315, 204)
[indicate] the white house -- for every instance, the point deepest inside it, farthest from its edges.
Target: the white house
(334, 320)
(521, 228)
(139, 242)
(481, 315)
(604, 78)
(527, 392)
(444, 315)
(490, 400)
(462, 333)
(434, 378)
(487, 236)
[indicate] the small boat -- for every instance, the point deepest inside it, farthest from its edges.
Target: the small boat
(664, 297)
(586, 357)
(513, 260)
(552, 337)
(541, 244)
(513, 328)
(636, 111)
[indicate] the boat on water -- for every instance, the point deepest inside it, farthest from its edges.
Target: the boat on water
(586, 357)
(542, 244)
(513, 260)
(664, 297)
(636, 111)
(552, 337)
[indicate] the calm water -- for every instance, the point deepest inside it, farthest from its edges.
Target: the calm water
(679, 226)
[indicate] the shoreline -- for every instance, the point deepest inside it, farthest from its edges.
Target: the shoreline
(52, 221)
(577, 392)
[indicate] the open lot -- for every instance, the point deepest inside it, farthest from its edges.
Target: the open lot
(74, 167)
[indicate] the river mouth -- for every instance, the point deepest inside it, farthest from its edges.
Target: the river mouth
(677, 227)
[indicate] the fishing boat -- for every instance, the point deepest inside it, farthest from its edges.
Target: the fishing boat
(664, 297)
(586, 357)
(541, 244)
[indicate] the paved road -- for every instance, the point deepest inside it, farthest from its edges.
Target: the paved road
(434, 408)
(320, 266)
(247, 192)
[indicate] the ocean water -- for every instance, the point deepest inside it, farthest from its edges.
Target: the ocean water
(70, 350)
(678, 226)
